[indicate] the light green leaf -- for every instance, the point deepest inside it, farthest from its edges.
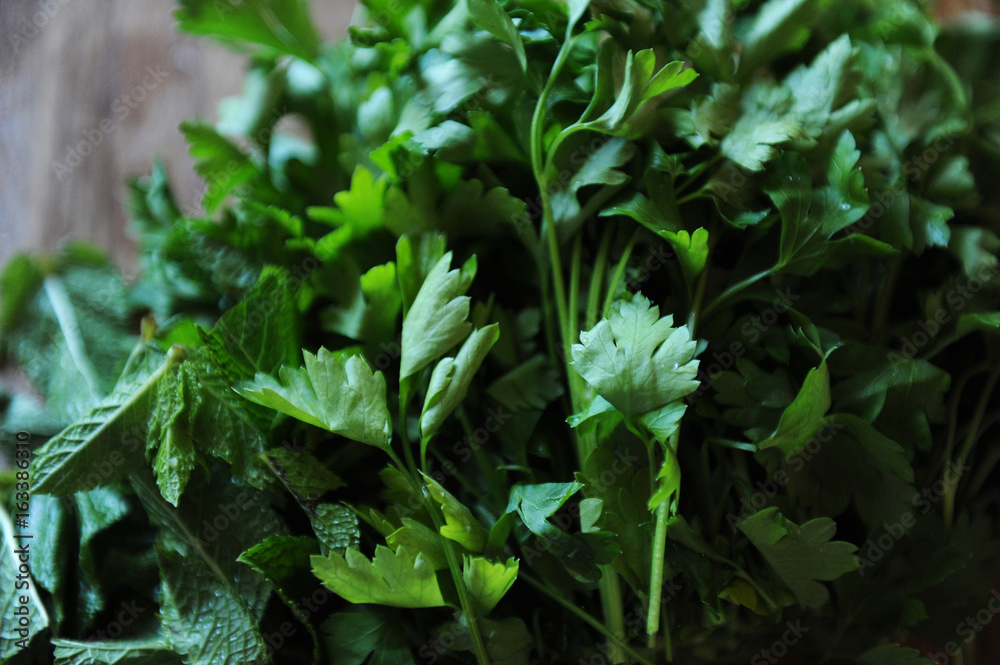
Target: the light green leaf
(692, 252)
(436, 320)
(668, 480)
(487, 582)
(396, 579)
(663, 422)
(460, 525)
(282, 25)
(491, 17)
(338, 394)
(451, 378)
(416, 257)
(636, 360)
(803, 418)
(780, 25)
(417, 537)
(802, 556)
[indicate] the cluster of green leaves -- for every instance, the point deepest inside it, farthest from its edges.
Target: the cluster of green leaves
(423, 373)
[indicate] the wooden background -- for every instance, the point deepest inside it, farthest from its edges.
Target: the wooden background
(66, 66)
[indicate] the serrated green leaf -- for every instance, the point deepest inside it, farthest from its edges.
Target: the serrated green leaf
(451, 377)
(487, 582)
(304, 476)
(460, 525)
(396, 579)
(221, 163)
(437, 319)
(282, 25)
(104, 446)
(338, 394)
(636, 360)
(284, 562)
(802, 556)
(335, 525)
(491, 17)
(804, 416)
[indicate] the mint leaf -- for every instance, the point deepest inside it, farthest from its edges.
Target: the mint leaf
(102, 447)
(151, 651)
(221, 163)
(11, 639)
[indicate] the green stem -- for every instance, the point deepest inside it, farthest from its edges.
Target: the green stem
(724, 297)
(951, 479)
(479, 646)
(695, 172)
(659, 549)
(619, 273)
(597, 277)
(591, 621)
(568, 319)
(881, 314)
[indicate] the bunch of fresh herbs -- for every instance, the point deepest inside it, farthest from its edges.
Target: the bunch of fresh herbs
(620, 331)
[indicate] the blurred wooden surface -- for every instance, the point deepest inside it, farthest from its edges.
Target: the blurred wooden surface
(69, 66)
